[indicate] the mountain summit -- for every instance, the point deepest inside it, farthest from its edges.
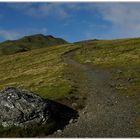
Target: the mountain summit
(28, 43)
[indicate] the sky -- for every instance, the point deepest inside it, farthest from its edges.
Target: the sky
(71, 21)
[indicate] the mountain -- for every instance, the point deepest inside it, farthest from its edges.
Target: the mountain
(28, 43)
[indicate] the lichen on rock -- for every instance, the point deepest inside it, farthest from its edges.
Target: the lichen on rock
(22, 108)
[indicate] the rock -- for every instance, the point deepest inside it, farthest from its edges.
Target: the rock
(116, 102)
(59, 131)
(119, 71)
(22, 108)
(84, 112)
(88, 61)
(74, 105)
(72, 121)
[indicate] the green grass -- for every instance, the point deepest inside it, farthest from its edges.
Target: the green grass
(122, 55)
(111, 53)
(60, 90)
(34, 131)
(39, 70)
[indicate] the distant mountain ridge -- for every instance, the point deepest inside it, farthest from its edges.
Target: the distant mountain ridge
(29, 43)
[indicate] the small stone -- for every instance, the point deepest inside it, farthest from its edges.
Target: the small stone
(59, 131)
(88, 61)
(71, 121)
(74, 105)
(119, 71)
(84, 112)
(8, 97)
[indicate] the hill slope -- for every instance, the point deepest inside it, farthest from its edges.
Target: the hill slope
(122, 58)
(123, 55)
(108, 72)
(46, 73)
(28, 43)
(39, 70)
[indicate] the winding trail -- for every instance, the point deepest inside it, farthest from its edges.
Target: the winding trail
(107, 113)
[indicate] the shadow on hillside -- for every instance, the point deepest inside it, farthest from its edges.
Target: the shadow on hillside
(62, 114)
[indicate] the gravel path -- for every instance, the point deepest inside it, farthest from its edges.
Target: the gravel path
(107, 113)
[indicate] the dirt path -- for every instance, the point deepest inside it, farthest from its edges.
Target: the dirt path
(107, 113)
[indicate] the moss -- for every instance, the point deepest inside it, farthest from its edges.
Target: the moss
(55, 92)
(34, 131)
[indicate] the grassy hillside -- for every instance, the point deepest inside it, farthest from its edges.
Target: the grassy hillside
(122, 55)
(39, 70)
(42, 70)
(122, 58)
(28, 43)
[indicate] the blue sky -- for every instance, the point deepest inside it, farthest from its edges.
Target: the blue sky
(71, 21)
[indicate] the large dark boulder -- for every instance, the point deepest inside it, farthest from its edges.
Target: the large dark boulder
(22, 108)
(23, 113)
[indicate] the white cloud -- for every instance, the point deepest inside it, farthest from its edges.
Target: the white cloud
(42, 9)
(123, 16)
(121, 13)
(8, 34)
(15, 34)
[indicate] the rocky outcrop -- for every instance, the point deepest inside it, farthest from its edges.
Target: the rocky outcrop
(22, 108)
